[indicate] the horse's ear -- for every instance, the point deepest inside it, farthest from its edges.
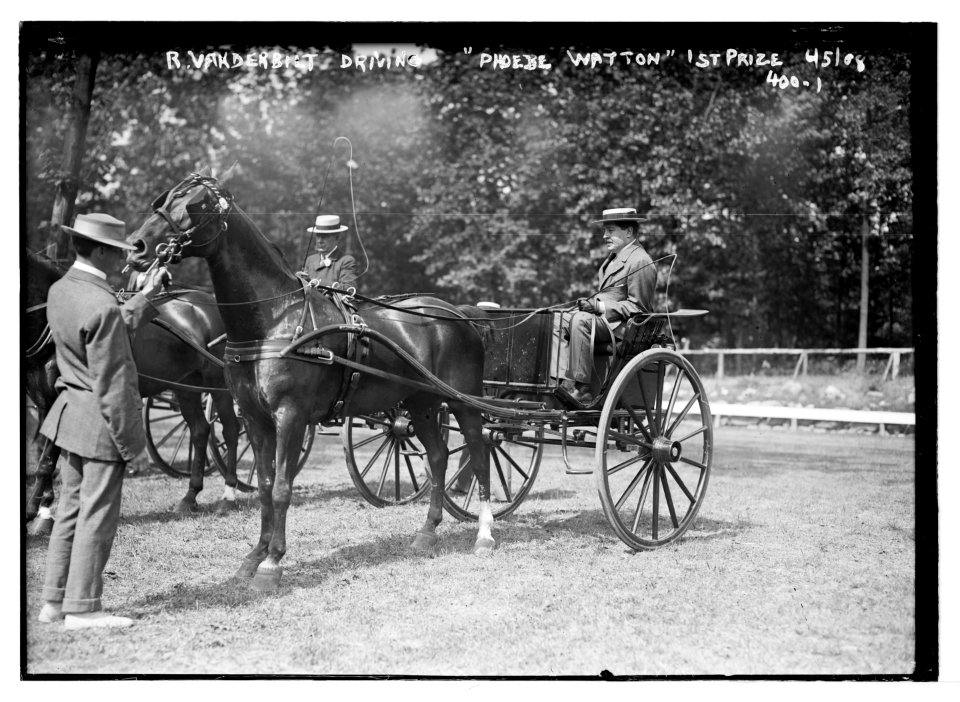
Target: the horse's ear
(229, 173)
(205, 172)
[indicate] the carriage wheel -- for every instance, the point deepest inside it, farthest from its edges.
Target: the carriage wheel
(654, 449)
(385, 459)
(168, 436)
(246, 465)
(514, 462)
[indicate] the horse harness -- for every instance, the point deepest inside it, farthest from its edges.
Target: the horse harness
(358, 345)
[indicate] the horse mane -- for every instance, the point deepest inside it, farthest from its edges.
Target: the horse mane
(273, 246)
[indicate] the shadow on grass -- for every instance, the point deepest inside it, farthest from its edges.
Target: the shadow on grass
(321, 572)
(328, 570)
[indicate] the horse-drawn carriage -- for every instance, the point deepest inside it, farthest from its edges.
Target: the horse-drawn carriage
(406, 380)
(650, 428)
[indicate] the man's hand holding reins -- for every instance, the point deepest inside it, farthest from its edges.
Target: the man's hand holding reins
(154, 280)
(586, 305)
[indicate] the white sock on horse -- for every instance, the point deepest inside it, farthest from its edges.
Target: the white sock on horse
(229, 493)
(44, 513)
(486, 521)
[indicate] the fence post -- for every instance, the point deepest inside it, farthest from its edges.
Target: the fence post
(804, 354)
(720, 365)
(896, 364)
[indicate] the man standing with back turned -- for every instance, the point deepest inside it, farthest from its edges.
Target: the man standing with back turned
(95, 419)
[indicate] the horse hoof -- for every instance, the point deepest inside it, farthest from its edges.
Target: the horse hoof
(484, 547)
(43, 527)
(266, 580)
(246, 570)
(424, 541)
(227, 506)
(186, 507)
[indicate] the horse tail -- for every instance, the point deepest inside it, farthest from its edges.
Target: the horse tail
(484, 329)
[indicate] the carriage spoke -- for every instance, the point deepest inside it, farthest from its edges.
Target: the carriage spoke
(641, 501)
(673, 396)
(639, 423)
(386, 469)
(628, 438)
(376, 421)
(683, 415)
(655, 518)
(170, 433)
(176, 450)
(532, 447)
(680, 483)
(470, 491)
(627, 463)
(368, 440)
(164, 417)
(516, 466)
(700, 430)
(458, 449)
(413, 477)
(242, 453)
(456, 474)
(669, 498)
(396, 473)
(646, 403)
(661, 370)
(644, 471)
(503, 480)
(702, 467)
(375, 457)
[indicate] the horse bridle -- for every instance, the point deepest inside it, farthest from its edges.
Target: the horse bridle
(171, 251)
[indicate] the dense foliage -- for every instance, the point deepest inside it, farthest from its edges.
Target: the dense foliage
(481, 183)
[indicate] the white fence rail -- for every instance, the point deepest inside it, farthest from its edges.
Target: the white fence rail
(892, 368)
(816, 414)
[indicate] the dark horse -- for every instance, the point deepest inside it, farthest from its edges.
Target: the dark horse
(164, 362)
(265, 306)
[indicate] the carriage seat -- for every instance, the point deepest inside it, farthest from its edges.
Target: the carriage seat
(642, 330)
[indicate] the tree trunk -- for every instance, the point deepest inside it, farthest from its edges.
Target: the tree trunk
(864, 293)
(73, 145)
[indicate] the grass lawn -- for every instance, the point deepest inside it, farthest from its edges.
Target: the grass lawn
(802, 562)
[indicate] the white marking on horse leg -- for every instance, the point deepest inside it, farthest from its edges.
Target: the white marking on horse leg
(44, 513)
(229, 493)
(486, 521)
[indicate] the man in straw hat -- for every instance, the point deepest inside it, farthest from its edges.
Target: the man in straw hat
(95, 420)
(326, 265)
(625, 286)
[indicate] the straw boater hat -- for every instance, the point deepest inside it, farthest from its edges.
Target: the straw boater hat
(101, 228)
(619, 214)
(327, 224)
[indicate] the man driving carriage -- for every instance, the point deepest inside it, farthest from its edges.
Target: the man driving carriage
(626, 283)
(327, 265)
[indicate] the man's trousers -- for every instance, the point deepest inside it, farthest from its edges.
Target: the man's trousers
(86, 523)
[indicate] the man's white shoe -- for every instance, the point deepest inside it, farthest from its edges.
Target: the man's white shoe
(50, 613)
(101, 620)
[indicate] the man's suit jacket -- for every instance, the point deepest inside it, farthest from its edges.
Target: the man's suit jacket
(97, 413)
(341, 270)
(626, 283)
